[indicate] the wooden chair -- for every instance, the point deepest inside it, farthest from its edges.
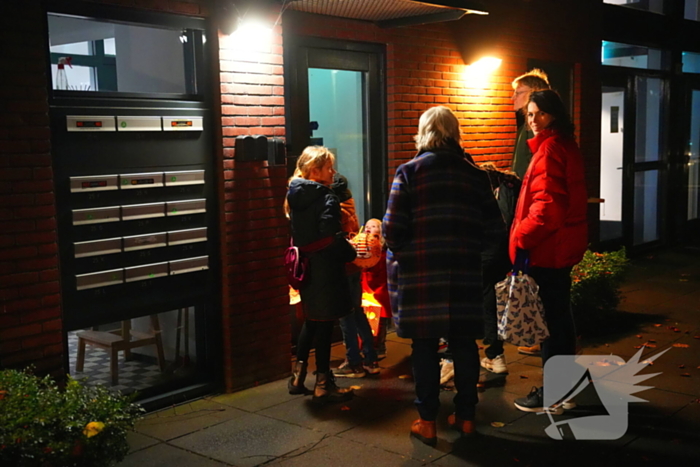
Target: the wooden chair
(120, 341)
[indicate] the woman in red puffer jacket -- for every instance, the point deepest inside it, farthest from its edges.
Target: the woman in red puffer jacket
(550, 223)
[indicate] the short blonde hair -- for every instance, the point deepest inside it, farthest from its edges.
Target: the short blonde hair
(535, 79)
(436, 126)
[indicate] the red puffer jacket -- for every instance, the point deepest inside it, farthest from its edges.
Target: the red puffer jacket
(550, 217)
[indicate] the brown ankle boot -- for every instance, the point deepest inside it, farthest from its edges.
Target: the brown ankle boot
(425, 431)
(326, 390)
(466, 427)
(296, 383)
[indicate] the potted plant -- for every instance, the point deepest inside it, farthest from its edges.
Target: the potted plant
(46, 426)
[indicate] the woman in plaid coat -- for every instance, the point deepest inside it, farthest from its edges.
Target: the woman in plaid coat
(440, 217)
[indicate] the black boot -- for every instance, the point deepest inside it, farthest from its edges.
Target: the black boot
(296, 383)
(326, 390)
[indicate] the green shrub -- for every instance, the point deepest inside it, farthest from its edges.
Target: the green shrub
(45, 426)
(595, 285)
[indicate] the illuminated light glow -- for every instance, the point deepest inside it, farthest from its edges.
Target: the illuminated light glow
(477, 74)
(253, 30)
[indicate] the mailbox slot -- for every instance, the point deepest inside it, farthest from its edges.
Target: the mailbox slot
(184, 177)
(143, 242)
(180, 237)
(142, 180)
(143, 211)
(94, 280)
(146, 271)
(98, 247)
(94, 183)
(96, 215)
(182, 266)
(181, 208)
(90, 123)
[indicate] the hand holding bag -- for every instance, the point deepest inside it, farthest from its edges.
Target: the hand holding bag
(521, 319)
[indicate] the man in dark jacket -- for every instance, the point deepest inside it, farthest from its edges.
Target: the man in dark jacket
(523, 85)
(441, 215)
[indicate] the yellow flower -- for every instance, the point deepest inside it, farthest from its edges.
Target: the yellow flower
(93, 428)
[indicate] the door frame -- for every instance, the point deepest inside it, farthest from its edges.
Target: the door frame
(627, 79)
(302, 53)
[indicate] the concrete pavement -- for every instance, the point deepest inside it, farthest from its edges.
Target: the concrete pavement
(265, 425)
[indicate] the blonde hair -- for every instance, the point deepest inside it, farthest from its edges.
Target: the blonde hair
(313, 157)
(378, 221)
(436, 126)
(535, 79)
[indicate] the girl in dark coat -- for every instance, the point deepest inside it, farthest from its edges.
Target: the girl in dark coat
(314, 212)
(441, 215)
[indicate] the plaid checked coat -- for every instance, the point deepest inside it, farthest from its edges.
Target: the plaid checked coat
(441, 215)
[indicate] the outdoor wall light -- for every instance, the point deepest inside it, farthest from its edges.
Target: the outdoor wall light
(477, 74)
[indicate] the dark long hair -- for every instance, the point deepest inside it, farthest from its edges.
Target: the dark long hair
(549, 101)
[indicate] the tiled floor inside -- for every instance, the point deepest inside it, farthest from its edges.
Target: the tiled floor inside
(134, 375)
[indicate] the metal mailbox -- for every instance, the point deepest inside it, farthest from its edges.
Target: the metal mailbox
(183, 124)
(90, 123)
(139, 123)
(145, 271)
(142, 180)
(181, 208)
(94, 183)
(181, 266)
(180, 237)
(99, 279)
(143, 211)
(98, 247)
(143, 242)
(184, 177)
(96, 215)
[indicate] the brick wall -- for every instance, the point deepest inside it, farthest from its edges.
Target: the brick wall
(257, 332)
(425, 67)
(30, 324)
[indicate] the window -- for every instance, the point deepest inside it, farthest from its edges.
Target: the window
(691, 62)
(692, 10)
(117, 57)
(654, 6)
(634, 56)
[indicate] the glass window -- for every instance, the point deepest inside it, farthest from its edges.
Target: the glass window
(633, 56)
(77, 48)
(649, 117)
(110, 46)
(161, 67)
(79, 78)
(691, 62)
(655, 6)
(646, 206)
(692, 10)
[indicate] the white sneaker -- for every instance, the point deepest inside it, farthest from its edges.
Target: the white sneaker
(495, 365)
(568, 404)
(447, 372)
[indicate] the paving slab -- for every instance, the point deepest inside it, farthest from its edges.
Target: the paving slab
(186, 418)
(337, 451)
(137, 441)
(261, 397)
(165, 455)
(248, 440)
(331, 418)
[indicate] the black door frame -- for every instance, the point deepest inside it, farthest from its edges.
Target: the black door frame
(627, 79)
(302, 53)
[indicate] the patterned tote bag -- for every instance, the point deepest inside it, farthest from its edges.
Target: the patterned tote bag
(521, 319)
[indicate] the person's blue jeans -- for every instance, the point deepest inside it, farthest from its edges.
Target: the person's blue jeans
(426, 373)
(356, 324)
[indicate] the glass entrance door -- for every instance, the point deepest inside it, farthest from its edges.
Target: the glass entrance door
(693, 158)
(611, 163)
(632, 162)
(337, 113)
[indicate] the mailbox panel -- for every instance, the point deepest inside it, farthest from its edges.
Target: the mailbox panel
(146, 241)
(186, 265)
(146, 271)
(143, 211)
(96, 215)
(181, 208)
(98, 247)
(94, 183)
(94, 280)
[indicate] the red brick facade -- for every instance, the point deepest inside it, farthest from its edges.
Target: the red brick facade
(424, 66)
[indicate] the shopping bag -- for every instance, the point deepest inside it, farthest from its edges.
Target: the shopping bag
(521, 319)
